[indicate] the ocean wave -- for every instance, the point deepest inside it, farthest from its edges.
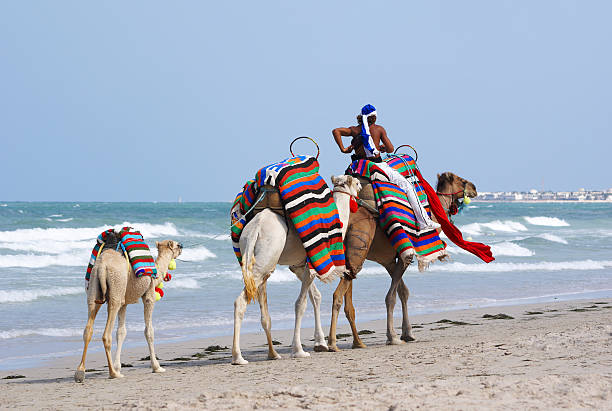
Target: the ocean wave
(553, 238)
(196, 254)
(188, 283)
(49, 332)
(497, 267)
(39, 261)
(56, 215)
(23, 296)
(547, 221)
(218, 237)
(507, 226)
(64, 240)
(84, 233)
(510, 249)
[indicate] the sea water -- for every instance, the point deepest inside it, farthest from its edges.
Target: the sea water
(544, 252)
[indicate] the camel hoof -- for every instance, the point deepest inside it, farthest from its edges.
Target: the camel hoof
(239, 361)
(333, 348)
(79, 376)
(116, 375)
(395, 341)
(300, 354)
(321, 348)
(407, 338)
(274, 356)
(359, 345)
(159, 370)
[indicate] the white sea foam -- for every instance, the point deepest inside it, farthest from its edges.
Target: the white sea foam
(22, 296)
(507, 226)
(3, 205)
(196, 254)
(547, 221)
(282, 275)
(510, 249)
(64, 220)
(56, 215)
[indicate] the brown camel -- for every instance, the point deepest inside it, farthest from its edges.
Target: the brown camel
(366, 240)
(113, 280)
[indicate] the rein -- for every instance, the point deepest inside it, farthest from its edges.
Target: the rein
(452, 209)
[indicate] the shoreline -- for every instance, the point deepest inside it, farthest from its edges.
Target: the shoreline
(456, 356)
(96, 347)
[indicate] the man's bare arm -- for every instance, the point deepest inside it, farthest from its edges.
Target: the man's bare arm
(338, 133)
(386, 143)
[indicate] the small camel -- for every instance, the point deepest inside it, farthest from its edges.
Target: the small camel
(113, 280)
(365, 239)
(267, 240)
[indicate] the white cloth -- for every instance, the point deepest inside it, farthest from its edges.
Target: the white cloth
(419, 210)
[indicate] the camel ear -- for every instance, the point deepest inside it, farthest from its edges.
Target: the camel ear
(334, 180)
(157, 244)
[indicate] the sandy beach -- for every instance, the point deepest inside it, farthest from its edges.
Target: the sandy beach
(537, 356)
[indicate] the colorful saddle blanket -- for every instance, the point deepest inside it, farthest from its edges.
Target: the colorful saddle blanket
(308, 203)
(396, 217)
(132, 242)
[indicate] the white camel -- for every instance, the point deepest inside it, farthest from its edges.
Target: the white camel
(113, 280)
(267, 241)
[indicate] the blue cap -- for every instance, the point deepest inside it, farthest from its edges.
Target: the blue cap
(367, 109)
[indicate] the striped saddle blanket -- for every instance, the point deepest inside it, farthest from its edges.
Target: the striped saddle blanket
(308, 203)
(396, 217)
(132, 243)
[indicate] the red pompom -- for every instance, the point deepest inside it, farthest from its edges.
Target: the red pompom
(453, 209)
(353, 206)
(167, 277)
(160, 291)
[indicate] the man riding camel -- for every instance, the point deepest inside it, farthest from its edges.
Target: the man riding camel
(368, 141)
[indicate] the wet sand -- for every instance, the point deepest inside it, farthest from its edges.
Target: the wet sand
(540, 356)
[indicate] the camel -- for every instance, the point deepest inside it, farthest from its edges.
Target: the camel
(267, 240)
(366, 240)
(113, 279)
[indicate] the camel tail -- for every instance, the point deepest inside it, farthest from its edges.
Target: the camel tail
(98, 282)
(248, 261)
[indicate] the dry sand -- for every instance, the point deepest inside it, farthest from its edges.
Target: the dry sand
(548, 356)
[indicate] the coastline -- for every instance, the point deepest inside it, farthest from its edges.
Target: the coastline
(547, 355)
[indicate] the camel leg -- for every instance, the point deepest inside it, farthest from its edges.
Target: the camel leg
(107, 337)
(396, 272)
(92, 309)
(121, 333)
(404, 293)
(343, 286)
(300, 307)
(149, 303)
(349, 311)
(319, 337)
(239, 309)
(266, 323)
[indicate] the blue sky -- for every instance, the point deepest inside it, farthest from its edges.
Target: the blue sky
(148, 101)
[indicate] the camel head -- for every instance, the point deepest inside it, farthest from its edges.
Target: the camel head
(346, 184)
(346, 188)
(169, 247)
(451, 189)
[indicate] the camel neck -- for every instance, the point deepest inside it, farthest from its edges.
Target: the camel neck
(342, 201)
(162, 261)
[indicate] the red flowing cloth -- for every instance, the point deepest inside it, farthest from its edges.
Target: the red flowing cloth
(478, 249)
